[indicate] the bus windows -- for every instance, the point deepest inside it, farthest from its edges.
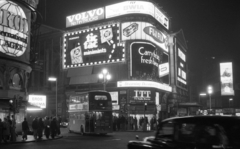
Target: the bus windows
(100, 97)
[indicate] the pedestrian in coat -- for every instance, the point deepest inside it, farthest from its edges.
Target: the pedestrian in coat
(53, 127)
(25, 129)
(6, 130)
(47, 127)
(35, 127)
(40, 128)
(1, 130)
(58, 121)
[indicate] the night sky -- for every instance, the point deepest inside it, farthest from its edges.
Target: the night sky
(211, 27)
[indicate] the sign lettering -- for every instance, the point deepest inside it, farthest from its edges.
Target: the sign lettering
(85, 17)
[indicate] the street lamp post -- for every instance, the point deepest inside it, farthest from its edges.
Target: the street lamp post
(54, 79)
(210, 92)
(105, 76)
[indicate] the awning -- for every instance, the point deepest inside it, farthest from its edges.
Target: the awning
(84, 79)
(189, 104)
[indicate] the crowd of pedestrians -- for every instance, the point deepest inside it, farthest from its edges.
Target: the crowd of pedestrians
(123, 123)
(48, 126)
(7, 129)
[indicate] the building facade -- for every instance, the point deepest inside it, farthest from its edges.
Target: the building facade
(16, 26)
(147, 62)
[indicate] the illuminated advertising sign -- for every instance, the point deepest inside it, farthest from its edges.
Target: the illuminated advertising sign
(144, 31)
(142, 96)
(37, 100)
(93, 46)
(14, 31)
(181, 67)
(226, 74)
(152, 84)
(85, 17)
(137, 7)
(145, 59)
(129, 7)
(114, 96)
(163, 69)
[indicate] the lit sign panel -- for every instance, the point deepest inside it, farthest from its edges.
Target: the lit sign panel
(114, 96)
(157, 85)
(37, 100)
(129, 7)
(141, 96)
(163, 69)
(145, 58)
(144, 31)
(226, 74)
(137, 7)
(14, 29)
(93, 46)
(85, 17)
(181, 66)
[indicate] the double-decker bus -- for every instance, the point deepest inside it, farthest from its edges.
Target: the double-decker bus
(90, 112)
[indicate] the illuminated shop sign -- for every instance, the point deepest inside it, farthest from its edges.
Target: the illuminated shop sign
(226, 74)
(137, 7)
(145, 60)
(85, 17)
(13, 29)
(150, 84)
(93, 46)
(114, 96)
(144, 31)
(181, 67)
(37, 100)
(141, 96)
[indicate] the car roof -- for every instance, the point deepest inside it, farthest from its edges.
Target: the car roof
(203, 118)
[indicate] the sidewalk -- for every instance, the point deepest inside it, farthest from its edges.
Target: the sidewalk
(31, 138)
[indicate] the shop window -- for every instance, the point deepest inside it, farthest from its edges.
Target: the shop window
(15, 82)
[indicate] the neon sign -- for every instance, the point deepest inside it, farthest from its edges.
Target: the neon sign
(14, 29)
(93, 46)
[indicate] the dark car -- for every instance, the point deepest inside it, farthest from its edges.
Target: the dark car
(193, 132)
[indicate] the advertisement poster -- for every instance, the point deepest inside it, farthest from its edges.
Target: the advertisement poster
(137, 7)
(226, 75)
(181, 66)
(93, 46)
(144, 31)
(145, 60)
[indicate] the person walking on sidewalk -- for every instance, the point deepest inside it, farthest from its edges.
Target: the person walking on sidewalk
(40, 128)
(53, 128)
(47, 127)
(1, 130)
(6, 130)
(35, 127)
(25, 129)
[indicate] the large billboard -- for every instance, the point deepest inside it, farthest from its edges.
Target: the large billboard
(226, 75)
(137, 7)
(147, 62)
(93, 46)
(14, 32)
(144, 31)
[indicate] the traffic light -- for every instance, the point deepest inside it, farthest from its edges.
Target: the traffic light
(11, 104)
(145, 106)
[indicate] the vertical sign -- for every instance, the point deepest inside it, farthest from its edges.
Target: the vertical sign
(226, 75)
